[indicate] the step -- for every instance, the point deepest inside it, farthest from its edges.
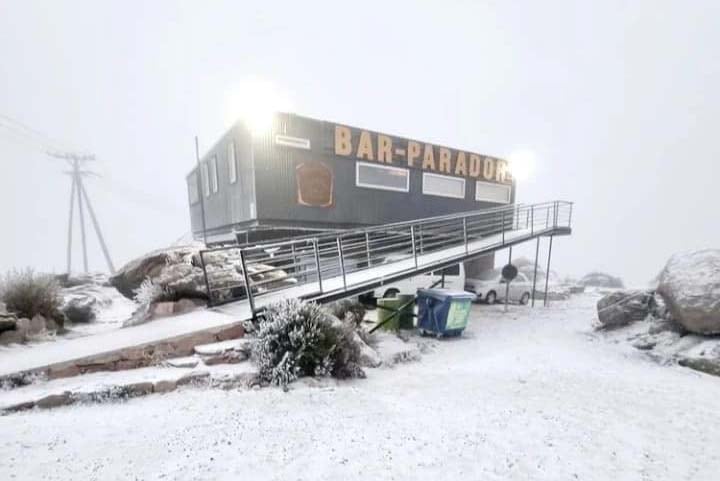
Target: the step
(104, 387)
(120, 349)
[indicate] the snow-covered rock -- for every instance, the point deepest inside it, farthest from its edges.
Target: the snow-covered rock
(620, 308)
(601, 279)
(178, 270)
(690, 286)
(79, 309)
(369, 357)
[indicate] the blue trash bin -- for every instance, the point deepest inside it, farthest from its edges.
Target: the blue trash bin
(443, 311)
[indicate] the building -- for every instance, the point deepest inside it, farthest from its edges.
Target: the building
(304, 175)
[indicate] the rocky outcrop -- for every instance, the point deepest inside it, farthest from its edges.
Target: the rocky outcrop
(690, 286)
(620, 308)
(179, 272)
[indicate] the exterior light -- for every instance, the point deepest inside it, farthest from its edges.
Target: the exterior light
(522, 164)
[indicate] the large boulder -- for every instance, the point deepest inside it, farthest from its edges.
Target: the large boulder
(150, 266)
(620, 308)
(179, 272)
(690, 286)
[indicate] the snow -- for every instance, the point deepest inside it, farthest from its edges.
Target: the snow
(531, 394)
(38, 355)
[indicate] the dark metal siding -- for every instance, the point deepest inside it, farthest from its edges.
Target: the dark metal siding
(232, 203)
(277, 190)
(266, 191)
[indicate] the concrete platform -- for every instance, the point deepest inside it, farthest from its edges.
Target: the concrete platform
(121, 348)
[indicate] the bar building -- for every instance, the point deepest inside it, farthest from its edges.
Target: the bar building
(304, 175)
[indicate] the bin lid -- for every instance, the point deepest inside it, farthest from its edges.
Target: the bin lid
(443, 294)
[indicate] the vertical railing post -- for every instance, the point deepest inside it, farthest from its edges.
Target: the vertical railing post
(367, 247)
(248, 286)
(570, 216)
(465, 238)
(532, 220)
(342, 261)
(503, 227)
(207, 283)
(556, 204)
(294, 258)
(547, 218)
(317, 263)
(412, 240)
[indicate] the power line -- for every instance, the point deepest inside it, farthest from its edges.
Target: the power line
(23, 129)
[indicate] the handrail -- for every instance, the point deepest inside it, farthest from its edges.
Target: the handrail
(375, 228)
(327, 261)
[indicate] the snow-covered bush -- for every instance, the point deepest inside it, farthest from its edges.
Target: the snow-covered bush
(298, 339)
(28, 294)
(149, 292)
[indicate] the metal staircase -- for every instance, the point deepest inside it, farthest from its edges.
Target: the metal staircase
(348, 263)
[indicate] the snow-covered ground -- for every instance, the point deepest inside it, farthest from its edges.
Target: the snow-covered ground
(531, 394)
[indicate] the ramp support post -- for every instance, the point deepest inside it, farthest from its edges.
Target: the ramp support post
(547, 272)
(507, 283)
(537, 250)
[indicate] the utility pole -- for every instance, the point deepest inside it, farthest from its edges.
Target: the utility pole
(77, 190)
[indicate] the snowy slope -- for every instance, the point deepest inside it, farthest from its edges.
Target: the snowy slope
(533, 394)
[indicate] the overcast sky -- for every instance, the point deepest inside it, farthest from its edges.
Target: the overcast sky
(618, 100)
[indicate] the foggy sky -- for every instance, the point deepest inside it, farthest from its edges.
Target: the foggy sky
(619, 101)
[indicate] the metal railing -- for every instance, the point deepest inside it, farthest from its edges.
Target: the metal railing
(274, 266)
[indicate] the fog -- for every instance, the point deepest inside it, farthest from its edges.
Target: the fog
(619, 102)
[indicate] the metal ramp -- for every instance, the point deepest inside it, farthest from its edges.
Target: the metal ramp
(337, 265)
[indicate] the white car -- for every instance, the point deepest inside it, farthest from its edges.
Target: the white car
(491, 291)
(454, 280)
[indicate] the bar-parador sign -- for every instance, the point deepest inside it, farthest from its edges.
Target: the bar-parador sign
(375, 147)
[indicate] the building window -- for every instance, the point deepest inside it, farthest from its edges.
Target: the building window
(205, 179)
(232, 164)
(193, 194)
(213, 174)
(382, 177)
(443, 185)
(488, 192)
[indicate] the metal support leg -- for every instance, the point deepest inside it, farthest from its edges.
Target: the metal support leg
(507, 284)
(547, 272)
(537, 250)
(342, 262)
(207, 282)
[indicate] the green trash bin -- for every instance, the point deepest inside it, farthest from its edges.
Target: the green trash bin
(403, 320)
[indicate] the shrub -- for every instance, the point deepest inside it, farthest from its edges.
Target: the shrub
(298, 339)
(28, 294)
